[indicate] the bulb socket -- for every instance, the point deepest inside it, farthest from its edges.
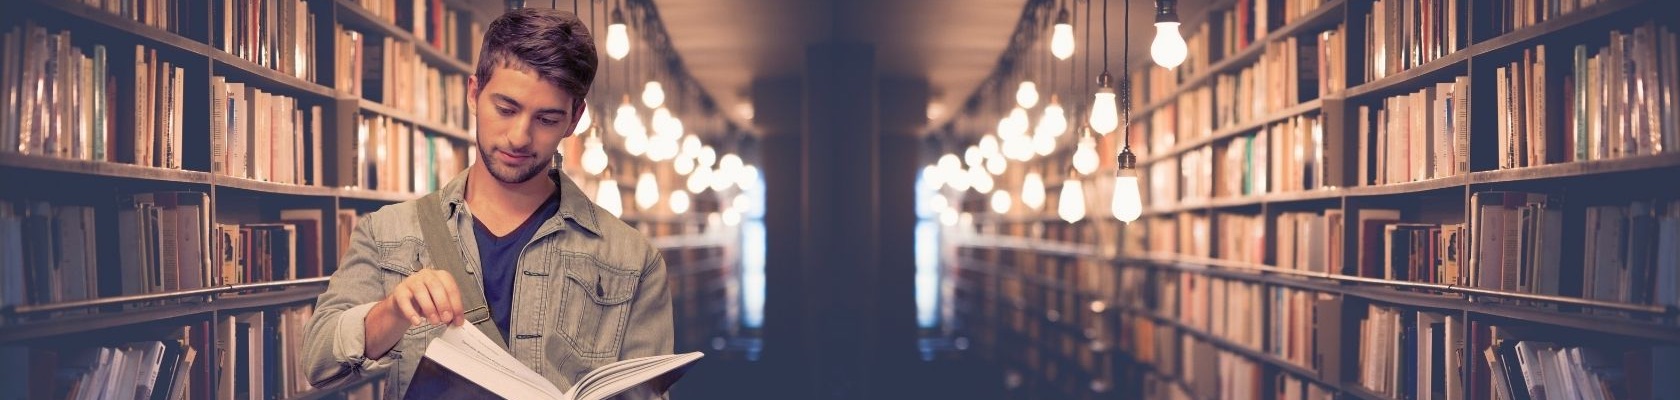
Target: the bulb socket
(618, 16)
(1062, 17)
(1128, 161)
(1105, 81)
(1166, 11)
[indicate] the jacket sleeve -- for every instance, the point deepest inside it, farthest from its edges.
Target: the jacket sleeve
(334, 340)
(650, 330)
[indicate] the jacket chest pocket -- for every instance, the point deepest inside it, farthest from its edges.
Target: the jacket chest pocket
(594, 304)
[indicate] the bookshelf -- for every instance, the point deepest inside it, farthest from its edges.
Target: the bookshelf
(1202, 224)
(209, 311)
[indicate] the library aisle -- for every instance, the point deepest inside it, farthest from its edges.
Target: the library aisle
(977, 199)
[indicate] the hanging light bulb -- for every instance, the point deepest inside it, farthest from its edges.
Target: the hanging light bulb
(683, 165)
(1018, 122)
(653, 94)
(1054, 122)
(972, 156)
(678, 201)
(618, 36)
(997, 164)
(989, 145)
(647, 190)
(730, 164)
(635, 143)
(699, 180)
(1127, 203)
(1168, 48)
(949, 165)
(1043, 144)
(627, 122)
(584, 121)
(1018, 148)
(1071, 205)
(933, 177)
(747, 178)
(1027, 94)
(1032, 191)
(980, 180)
(1085, 157)
(722, 180)
(1104, 112)
(948, 217)
(1001, 202)
(957, 179)
(1061, 36)
(667, 130)
(594, 155)
(691, 145)
(606, 195)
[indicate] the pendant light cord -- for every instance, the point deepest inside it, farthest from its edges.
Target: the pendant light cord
(1126, 82)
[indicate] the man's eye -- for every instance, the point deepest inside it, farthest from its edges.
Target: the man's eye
(504, 111)
(549, 121)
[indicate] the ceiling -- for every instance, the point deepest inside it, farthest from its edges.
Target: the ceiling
(954, 44)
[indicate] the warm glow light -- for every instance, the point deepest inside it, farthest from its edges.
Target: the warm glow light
(1105, 113)
(683, 165)
(691, 145)
(626, 122)
(1032, 191)
(647, 190)
(606, 195)
(594, 155)
(1043, 144)
(731, 217)
(667, 125)
(948, 217)
(1127, 203)
(997, 164)
(699, 180)
(722, 180)
(636, 144)
(1061, 40)
(972, 157)
(584, 121)
(1054, 122)
(730, 165)
(618, 37)
(1017, 122)
(678, 201)
(933, 177)
(1027, 94)
(747, 178)
(1085, 157)
(706, 158)
(1001, 202)
(1071, 205)
(1168, 49)
(989, 145)
(653, 94)
(1018, 148)
(980, 180)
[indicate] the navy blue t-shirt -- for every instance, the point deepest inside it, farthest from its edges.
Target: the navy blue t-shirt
(499, 257)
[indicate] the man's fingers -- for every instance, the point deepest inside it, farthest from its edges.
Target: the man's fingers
(453, 294)
(423, 301)
(440, 298)
(404, 299)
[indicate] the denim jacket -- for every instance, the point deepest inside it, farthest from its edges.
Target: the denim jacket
(589, 290)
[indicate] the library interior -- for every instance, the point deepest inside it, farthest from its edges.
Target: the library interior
(844, 199)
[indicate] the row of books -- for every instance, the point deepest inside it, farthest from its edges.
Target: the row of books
(172, 368)
(1618, 99)
(1309, 241)
(1228, 309)
(168, 15)
(1521, 94)
(1410, 354)
(390, 71)
(259, 353)
(59, 99)
(1205, 369)
(1405, 34)
(1242, 237)
(1416, 136)
(430, 21)
(1305, 330)
(275, 34)
(165, 242)
(1287, 74)
(268, 137)
(394, 156)
(1194, 112)
(1511, 15)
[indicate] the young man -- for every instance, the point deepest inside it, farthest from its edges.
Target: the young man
(568, 286)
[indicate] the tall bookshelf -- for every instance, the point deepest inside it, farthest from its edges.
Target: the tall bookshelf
(44, 338)
(1227, 233)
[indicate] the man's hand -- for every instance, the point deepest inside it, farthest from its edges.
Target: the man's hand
(426, 297)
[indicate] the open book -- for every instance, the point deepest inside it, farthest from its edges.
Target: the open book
(467, 352)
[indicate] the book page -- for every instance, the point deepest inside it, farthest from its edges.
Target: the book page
(466, 351)
(615, 378)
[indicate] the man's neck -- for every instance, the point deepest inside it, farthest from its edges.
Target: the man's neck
(502, 201)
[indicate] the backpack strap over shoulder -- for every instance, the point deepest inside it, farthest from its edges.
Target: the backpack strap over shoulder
(447, 256)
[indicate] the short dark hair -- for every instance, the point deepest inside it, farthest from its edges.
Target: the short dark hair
(555, 44)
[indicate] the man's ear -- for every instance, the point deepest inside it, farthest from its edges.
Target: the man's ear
(579, 106)
(472, 93)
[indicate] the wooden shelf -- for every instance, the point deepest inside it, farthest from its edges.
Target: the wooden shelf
(257, 186)
(355, 17)
(1326, 14)
(247, 72)
(377, 196)
(217, 299)
(411, 119)
(1258, 356)
(30, 162)
(1577, 169)
(1079, 250)
(156, 36)
(1234, 130)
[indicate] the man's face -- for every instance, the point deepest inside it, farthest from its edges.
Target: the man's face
(521, 119)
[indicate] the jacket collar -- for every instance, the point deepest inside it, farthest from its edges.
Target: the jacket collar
(574, 206)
